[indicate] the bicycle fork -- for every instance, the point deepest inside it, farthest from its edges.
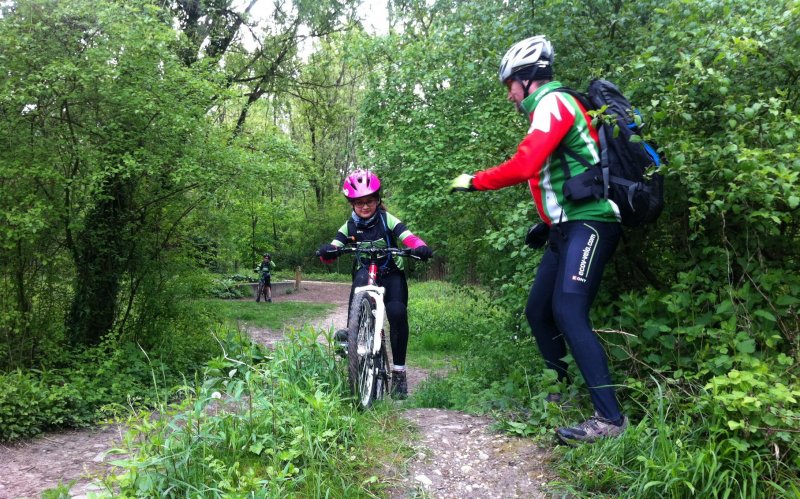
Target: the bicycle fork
(376, 294)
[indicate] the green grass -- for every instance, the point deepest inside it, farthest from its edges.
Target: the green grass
(674, 447)
(265, 426)
(435, 341)
(434, 361)
(273, 315)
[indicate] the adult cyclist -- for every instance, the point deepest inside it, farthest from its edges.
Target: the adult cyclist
(370, 224)
(582, 236)
(265, 279)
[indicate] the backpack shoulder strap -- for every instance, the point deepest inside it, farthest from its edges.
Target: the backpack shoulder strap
(579, 96)
(351, 228)
(389, 230)
(563, 150)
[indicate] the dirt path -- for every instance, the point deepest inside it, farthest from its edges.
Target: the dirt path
(458, 455)
(28, 468)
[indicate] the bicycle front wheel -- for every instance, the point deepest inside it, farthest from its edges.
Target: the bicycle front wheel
(363, 365)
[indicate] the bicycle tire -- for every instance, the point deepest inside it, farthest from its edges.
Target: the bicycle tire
(363, 368)
(260, 291)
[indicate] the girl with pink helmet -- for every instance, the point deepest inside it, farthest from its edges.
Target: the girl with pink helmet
(371, 224)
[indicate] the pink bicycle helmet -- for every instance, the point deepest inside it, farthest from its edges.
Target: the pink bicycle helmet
(361, 183)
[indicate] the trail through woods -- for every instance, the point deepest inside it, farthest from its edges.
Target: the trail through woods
(457, 454)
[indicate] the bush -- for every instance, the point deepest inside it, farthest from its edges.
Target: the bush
(87, 386)
(30, 405)
(227, 288)
(259, 421)
(240, 278)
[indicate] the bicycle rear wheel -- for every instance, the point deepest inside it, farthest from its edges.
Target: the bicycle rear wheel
(363, 366)
(260, 291)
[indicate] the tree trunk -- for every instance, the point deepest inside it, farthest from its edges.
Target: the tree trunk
(253, 242)
(100, 262)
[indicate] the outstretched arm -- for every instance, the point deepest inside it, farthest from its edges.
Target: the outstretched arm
(551, 122)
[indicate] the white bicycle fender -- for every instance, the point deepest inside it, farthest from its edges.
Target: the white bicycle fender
(376, 292)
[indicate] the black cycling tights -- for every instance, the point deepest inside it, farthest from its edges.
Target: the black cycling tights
(396, 301)
(558, 305)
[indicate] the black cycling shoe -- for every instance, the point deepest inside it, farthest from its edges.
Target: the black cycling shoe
(591, 430)
(341, 336)
(340, 341)
(399, 385)
(554, 398)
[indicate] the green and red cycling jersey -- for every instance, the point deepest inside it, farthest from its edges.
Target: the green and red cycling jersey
(556, 118)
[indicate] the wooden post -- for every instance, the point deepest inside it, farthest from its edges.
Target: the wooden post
(297, 277)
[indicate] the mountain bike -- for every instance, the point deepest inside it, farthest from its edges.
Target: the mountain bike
(261, 288)
(367, 359)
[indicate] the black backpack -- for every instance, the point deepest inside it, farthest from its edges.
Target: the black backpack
(628, 169)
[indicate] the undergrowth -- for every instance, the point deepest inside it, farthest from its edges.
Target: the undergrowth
(85, 386)
(732, 435)
(262, 423)
(77, 387)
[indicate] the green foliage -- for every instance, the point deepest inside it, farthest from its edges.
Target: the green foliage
(129, 162)
(111, 141)
(83, 389)
(122, 162)
(754, 405)
(61, 491)
(426, 122)
(674, 452)
(487, 356)
(735, 435)
(227, 288)
(30, 406)
(705, 301)
(261, 424)
(138, 366)
(439, 313)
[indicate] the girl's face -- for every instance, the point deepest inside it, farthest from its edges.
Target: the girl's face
(365, 206)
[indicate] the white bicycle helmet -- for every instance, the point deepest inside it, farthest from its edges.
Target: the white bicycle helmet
(534, 54)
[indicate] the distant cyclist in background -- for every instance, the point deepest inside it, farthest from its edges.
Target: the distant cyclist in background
(370, 223)
(265, 280)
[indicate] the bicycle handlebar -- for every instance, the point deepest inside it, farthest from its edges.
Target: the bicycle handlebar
(377, 252)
